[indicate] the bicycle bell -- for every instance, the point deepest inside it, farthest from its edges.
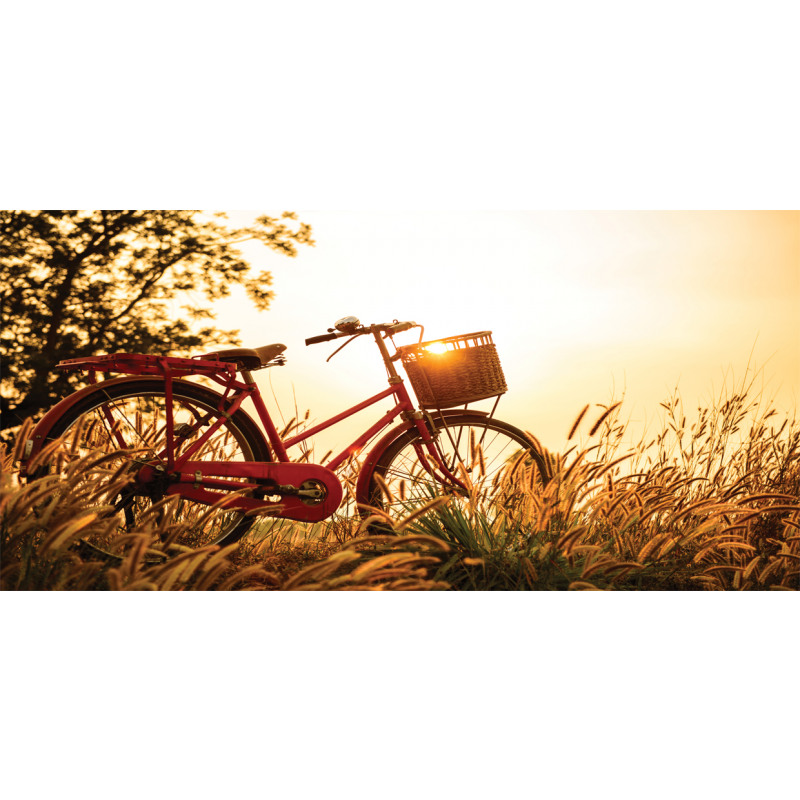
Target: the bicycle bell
(347, 324)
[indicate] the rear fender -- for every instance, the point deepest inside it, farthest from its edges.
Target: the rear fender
(41, 431)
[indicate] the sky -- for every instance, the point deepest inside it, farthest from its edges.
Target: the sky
(585, 307)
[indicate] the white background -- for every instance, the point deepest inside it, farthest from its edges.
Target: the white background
(419, 106)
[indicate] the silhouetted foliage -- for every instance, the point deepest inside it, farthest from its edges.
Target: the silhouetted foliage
(76, 283)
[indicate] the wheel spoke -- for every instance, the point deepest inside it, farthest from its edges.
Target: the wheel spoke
(479, 448)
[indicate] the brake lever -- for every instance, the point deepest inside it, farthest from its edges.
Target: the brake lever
(341, 347)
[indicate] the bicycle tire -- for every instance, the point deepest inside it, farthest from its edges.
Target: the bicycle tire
(188, 398)
(410, 486)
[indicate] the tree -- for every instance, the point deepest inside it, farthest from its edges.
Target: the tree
(75, 283)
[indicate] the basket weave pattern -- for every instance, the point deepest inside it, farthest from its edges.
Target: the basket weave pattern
(468, 370)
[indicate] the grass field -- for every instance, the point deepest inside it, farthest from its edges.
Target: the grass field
(707, 503)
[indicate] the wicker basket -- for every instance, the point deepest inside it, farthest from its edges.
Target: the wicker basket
(454, 371)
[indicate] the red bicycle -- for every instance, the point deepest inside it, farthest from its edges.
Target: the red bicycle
(176, 437)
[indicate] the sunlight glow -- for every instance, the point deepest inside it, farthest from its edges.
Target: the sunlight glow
(581, 305)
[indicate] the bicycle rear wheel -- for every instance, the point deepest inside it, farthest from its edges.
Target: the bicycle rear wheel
(127, 422)
(479, 450)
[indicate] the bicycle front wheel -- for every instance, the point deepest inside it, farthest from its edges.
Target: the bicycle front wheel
(127, 422)
(479, 450)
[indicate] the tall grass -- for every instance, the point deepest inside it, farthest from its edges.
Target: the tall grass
(710, 501)
(48, 527)
(707, 504)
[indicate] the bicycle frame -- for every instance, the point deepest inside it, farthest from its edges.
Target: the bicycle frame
(403, 407)
(403, 404)
(193, 479)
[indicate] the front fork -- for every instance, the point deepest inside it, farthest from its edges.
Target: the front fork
(430, 434)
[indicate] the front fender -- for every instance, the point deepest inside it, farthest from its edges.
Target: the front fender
(362, 485)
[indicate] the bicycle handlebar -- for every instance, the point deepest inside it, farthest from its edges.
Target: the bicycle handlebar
(389, 329)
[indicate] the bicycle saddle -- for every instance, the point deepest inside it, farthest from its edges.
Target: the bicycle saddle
(249, 359)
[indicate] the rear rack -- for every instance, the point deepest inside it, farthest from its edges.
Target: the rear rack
(140, 364)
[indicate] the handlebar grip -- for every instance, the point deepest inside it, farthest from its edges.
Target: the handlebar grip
(401, 326)
(326, 337)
